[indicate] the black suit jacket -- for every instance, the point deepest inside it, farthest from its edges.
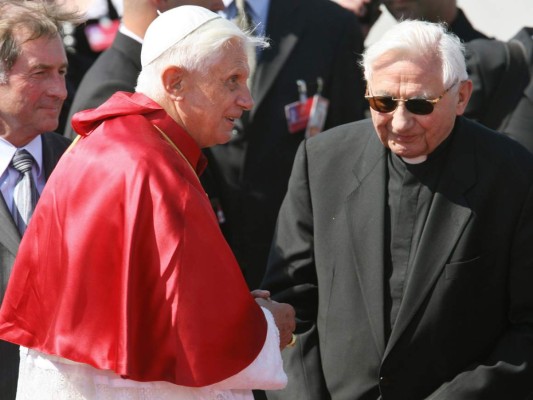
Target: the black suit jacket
(465, 325)
(309, 39)
(116, 69)
(53, 147)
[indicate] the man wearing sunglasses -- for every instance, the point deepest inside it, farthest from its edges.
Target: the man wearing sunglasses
(405, 241)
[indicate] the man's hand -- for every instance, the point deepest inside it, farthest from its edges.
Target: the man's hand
(283, 316)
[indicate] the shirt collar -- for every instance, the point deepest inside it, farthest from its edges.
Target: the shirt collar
(126, 32)
(7, 151)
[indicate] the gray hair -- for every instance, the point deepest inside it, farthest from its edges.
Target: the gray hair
(39, 18)
(414, 38)
(196, 52)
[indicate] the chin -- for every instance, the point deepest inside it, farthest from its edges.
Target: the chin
(225, 137)
(49, 125)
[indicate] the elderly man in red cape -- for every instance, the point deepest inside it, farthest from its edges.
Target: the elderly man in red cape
(124, 284)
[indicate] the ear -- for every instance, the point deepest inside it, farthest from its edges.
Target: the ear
(465, 91)
(173, 81)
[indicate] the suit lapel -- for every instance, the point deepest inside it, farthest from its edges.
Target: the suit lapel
(51, 153)
(447, 218)
(365, 214)
(283, 29)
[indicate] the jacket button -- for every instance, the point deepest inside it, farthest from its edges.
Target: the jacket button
(385, 381)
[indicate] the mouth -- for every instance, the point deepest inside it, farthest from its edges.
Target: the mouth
(404, 138)
(233, 118)
(51, 108)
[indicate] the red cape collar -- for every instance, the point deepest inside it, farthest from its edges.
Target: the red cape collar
(124, 103)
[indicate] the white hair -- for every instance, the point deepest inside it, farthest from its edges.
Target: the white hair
(420, 39)
(197, 51)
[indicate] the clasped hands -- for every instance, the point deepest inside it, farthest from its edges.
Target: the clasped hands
(284, 316)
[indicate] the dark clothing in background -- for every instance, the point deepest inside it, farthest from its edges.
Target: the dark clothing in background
(501, 72)
(116, 69)
(310, 39)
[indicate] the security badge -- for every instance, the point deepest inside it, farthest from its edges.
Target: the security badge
(307, 113)
(101, 34)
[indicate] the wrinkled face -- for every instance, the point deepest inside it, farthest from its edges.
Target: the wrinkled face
(431, 10)
(32, 97)
(405, 133)
(209, 103)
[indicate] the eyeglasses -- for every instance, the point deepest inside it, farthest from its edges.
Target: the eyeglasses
(387, 104)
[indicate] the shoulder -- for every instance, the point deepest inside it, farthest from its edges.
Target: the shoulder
(494, 148)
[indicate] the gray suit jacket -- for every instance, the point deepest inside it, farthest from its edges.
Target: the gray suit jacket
(465, 325)
(53, 147)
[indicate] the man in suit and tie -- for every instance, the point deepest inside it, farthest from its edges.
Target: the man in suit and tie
(33, 65)
(404, 241)
(118, 67)
(318, 43)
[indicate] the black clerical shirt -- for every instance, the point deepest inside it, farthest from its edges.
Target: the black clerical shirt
(410, 190)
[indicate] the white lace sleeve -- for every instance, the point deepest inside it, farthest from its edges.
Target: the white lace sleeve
(266, 371)
(48, 377)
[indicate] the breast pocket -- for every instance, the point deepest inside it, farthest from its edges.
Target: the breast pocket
(464, 269)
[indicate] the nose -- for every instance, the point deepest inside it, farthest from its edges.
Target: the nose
(401, 118)
(245, 100)
(57, 87)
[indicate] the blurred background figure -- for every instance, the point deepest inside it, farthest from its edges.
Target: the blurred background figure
(85, 42)
(502, 97)
(119, 66)
(367, 11)
(435, 11)
(314, 49)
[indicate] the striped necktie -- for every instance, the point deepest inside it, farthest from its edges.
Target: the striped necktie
(25, 195)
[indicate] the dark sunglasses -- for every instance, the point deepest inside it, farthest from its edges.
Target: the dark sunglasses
(387, 104)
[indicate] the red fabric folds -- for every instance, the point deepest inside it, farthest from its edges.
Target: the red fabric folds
(123, 266)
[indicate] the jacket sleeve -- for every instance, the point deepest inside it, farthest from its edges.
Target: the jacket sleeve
(291, 278)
